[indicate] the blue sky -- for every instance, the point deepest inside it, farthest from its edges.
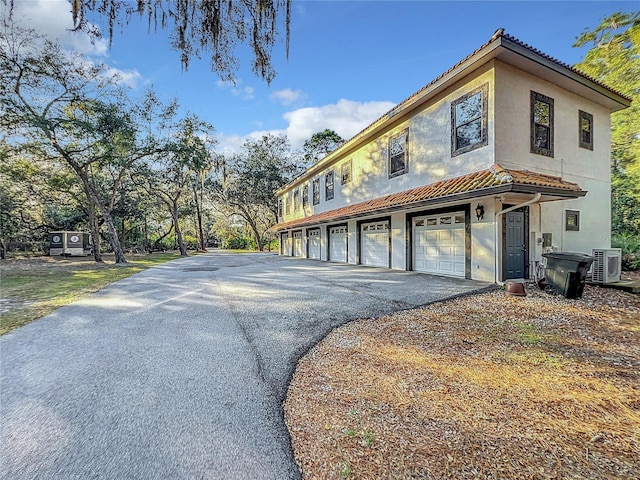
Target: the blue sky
(349, 61)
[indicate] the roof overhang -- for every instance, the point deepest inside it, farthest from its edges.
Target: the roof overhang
(492, 182)
(515, 53)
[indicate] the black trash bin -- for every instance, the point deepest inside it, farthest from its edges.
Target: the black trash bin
(566, 272)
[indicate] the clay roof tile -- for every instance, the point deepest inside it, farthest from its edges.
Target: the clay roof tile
(493, 176)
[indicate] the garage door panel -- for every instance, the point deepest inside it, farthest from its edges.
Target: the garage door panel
(431, 265)
(286, 244)
(439, 244)
(338, 244)
(297, 244)
(431, 251)
(375, 244)
(459, 251)
(338, 248)
(314, 249)
(445, 267)
(314, 244)
(445, 236)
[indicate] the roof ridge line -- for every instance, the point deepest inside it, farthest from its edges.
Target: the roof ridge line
(563, 64)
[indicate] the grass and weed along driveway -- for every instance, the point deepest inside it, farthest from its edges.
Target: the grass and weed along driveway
(180, 371)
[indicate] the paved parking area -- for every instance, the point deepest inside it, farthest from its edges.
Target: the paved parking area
(180, 371)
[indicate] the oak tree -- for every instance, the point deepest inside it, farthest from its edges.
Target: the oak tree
(614, 59)
(59, 108)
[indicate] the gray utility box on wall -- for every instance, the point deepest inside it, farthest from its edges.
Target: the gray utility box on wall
(567, 272)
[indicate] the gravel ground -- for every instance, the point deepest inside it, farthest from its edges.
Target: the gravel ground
(490, 386)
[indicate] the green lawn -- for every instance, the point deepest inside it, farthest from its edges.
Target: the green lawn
(31, 288)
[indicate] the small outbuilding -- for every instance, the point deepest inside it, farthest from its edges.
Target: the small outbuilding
(70, 244)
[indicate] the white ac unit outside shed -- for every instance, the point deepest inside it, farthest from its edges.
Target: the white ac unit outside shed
(607, 265)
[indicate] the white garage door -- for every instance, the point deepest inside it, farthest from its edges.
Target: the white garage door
(338, 244)
(285, 244)
(297, 244)
(439, 244)
(314, 244)
(375, 244)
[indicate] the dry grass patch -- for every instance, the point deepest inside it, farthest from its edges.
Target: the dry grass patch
(489, 386)
(31, 288)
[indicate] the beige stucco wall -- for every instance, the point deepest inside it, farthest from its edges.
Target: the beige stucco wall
(324, 246)
(509, 119)
(589, 169)
(482, 242)
(429, 153)
(398, 241)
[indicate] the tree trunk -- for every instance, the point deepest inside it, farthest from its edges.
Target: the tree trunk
(146, 234)
(123, 234)
(162, 237)
(198, 202)
(200, 229)
(95, 231)
(181, 245)
(256, 235)
(104, 212)
(113, 238)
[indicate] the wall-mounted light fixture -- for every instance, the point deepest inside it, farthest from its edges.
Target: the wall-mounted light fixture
(480, 211)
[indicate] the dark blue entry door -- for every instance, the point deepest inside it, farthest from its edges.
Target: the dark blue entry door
(515, 247)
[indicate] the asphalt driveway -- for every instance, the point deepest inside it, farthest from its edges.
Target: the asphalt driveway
(179, 372)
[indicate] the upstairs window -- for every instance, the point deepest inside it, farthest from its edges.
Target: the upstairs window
(586, 129)
(316, 191)
(469, 121)
(572, 220)
(296, 199)
(398, 161)
(305, 196)
(280, 208)
(287, 204)
(346, 172)
(328, 186)
(541, 124)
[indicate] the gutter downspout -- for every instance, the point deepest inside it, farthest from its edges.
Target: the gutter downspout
(535, 199)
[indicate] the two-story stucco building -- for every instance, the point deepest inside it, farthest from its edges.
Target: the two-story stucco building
(476, 175)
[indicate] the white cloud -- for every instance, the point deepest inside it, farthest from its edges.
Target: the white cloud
(287, 96)
(229, 144)
(130, 78)
(225, 84)
(246, 93)
(52, 19)
(346, 118)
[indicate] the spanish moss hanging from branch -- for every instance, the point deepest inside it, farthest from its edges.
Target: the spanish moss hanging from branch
(199, 27)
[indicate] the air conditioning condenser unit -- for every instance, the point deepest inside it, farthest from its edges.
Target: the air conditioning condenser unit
(607, 265)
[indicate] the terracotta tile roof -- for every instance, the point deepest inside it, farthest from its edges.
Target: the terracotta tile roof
(492, 180)
(565, 65)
